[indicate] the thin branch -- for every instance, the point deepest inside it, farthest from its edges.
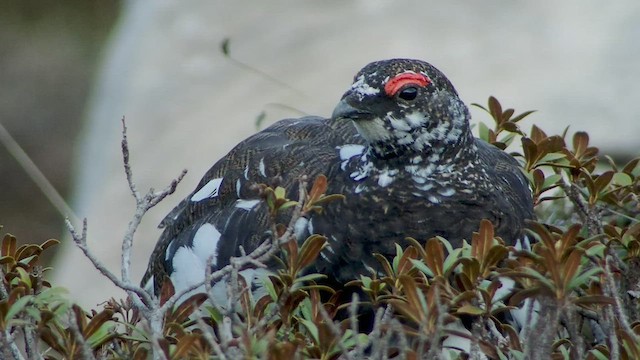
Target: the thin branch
(588, 214)
(32, 170)
(620, 316)
(209, 337)
(257, 257)
(4, 292)
(539, 347)
(81, 242)
(10, 348)
(143, 204)
(87, 354)
(358, 351)
(31, 343)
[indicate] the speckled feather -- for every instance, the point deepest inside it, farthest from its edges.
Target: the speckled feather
(407, 168)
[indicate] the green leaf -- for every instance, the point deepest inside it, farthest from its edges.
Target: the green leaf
(582, 278)
(422, 267)
(522, 116)
(598, 355)
(280, 192)
(483, 131)
(17, 307)
(622, 179)
(310, 277)
(470, 309)
(310, 250)
(312, 329)
(271, 289)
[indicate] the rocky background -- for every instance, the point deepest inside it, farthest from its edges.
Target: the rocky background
(186, 103)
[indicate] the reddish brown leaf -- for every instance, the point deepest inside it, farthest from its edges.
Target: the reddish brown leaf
(435, 256)
(96, 322)
(319, 187)
(8, 245)
(570, 268)
(167, 290)
(310, 250)
(183, 347)
(188, 307)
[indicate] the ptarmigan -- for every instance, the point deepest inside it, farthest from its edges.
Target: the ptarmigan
(399, 148)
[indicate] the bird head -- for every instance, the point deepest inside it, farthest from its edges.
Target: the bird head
(404, 107)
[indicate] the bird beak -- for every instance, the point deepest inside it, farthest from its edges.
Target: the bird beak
(345, 111)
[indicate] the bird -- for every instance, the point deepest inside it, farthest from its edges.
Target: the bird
(398, 146)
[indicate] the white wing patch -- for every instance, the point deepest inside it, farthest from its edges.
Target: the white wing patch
(246, 204)
(262, 168)
(205, 242)
(300, 227)
(255, 278)
(350, 150)
(189, 262)
(209, 190)
(386, 177)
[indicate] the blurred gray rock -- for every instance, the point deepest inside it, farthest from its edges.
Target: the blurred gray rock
(186, 105)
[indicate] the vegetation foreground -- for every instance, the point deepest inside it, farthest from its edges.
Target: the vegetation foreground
(577, 288)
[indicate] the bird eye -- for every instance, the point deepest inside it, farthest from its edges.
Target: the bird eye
(409, 93)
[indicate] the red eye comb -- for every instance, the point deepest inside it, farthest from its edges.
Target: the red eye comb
(395, 84)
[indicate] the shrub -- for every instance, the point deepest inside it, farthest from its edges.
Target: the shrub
(575, 295)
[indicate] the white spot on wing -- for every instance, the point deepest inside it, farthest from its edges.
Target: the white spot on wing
(350, 150)
(386, 177)
(209, 190)
(189, 262)
(261, 168)
(205, 243)
(360, 188)
(246, 204)
(238, 187)
(325, 257)
(255, 279)
(300, 227)
(446, 191)
(310, 227)
(167, 252)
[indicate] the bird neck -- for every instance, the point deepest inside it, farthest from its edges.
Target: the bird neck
(453, 143)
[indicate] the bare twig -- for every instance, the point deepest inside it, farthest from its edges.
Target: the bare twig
(435, 346)
(143, 204)
(358, 351)
(8, 341)
(81, 242)
(36, 175)
(589, 215)
(87, 354)
(611, 290)
(31, 343)
(570, 319)
(539, 347)
(376, 334)
(10, 348)
(209, 337)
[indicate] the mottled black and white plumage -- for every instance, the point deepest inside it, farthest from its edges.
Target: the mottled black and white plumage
(398, 146)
